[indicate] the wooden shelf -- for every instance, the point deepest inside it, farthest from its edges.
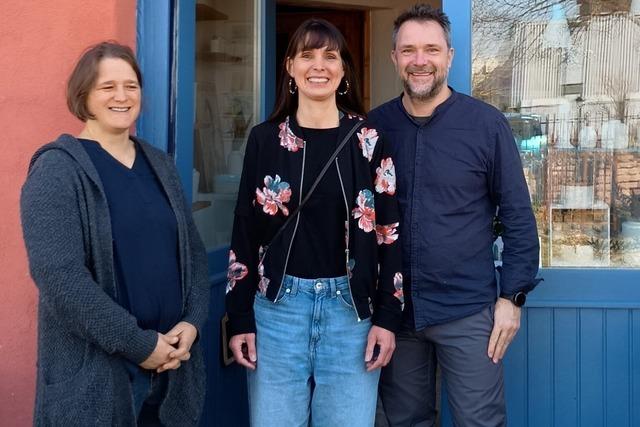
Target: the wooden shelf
(205, 12)
(200, 204)
(218, 57)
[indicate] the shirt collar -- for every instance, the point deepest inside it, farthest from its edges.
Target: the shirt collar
(438, 110)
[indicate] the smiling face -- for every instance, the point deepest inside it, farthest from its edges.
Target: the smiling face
(114, 99)
(422, 59)
(317, 73)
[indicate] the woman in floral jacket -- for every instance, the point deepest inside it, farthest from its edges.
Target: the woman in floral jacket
(313, 308)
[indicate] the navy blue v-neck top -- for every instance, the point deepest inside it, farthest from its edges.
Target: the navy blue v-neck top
(145, 239)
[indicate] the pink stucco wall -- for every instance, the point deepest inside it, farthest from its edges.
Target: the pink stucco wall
(39, 43)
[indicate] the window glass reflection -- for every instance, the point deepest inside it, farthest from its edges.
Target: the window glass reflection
(225, 112)
(565, 74)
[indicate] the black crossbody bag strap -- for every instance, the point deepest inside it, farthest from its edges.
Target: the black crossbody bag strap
(316, 182)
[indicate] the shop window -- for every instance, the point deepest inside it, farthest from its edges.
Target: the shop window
(565, 74)
(226, 108)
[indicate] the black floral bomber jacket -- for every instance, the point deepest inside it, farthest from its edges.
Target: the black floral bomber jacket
(270, 191)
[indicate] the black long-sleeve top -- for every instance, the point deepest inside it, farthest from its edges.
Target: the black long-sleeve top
(275, 161)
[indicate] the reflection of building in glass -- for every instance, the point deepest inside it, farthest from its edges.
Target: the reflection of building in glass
(567, 77)
(594, 71)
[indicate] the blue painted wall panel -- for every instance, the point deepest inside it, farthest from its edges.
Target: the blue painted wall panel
(617, 379)
(573, 367)
(540, 368)
(634, 369)
(515, 384)
(565, 363)
(591, 368)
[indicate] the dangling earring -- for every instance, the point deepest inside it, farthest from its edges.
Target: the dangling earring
(346, 82)
(292, 87)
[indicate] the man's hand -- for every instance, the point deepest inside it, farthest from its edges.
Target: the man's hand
(386, 342)
(243, 347)
(186, 334)
(505, 326)
(160, 355)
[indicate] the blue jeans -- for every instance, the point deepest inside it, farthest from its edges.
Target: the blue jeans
(311, 368)
(148, 390)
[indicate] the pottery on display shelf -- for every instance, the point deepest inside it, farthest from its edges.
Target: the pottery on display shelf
(615, 134)
(587, 137)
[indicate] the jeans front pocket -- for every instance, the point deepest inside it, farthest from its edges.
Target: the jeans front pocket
(344, 296)
(283, 296)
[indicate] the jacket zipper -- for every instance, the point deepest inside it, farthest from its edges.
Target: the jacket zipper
(295, 228)
(346, 250)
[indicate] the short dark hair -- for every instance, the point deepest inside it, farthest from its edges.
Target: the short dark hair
(317, 33)
(84, 75)
(422, 13)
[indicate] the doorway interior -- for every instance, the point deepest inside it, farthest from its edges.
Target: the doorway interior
(352, 23)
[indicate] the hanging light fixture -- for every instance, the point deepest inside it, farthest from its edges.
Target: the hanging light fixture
(556, 34)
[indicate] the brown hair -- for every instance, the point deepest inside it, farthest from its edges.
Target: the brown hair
(315, 34)
(84, 75)
(422, 13)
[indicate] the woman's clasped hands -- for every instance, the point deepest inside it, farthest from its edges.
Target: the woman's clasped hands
(172, 348)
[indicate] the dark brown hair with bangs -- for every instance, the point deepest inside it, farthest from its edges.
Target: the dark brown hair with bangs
(84, 75)
(315, 34)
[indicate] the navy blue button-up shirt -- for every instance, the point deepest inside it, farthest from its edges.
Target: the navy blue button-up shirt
(452, 173)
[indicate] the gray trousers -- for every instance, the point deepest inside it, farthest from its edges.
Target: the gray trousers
(474, 383)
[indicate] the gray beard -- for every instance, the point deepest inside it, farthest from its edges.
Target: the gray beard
(427, 95)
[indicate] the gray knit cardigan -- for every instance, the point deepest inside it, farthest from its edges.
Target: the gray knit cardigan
(84, 335)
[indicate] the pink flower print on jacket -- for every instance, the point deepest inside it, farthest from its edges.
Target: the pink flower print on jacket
(387, 234)
(397, 284)
(386, 177)
(365, 213)
(236, 271)
(274, 195)
(368, 139)
(263, 284)
(288, 139)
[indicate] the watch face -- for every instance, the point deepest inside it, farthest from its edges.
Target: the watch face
(519, 299)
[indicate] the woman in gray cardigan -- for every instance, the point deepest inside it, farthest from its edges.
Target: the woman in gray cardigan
(120, 268)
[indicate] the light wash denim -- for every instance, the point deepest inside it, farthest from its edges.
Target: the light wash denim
(311, 369)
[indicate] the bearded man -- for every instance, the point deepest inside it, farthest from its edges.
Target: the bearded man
(457, 164)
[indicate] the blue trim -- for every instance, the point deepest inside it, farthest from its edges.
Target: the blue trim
(459, 11)
(183, 95)
(585, 288)
(154, 41)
